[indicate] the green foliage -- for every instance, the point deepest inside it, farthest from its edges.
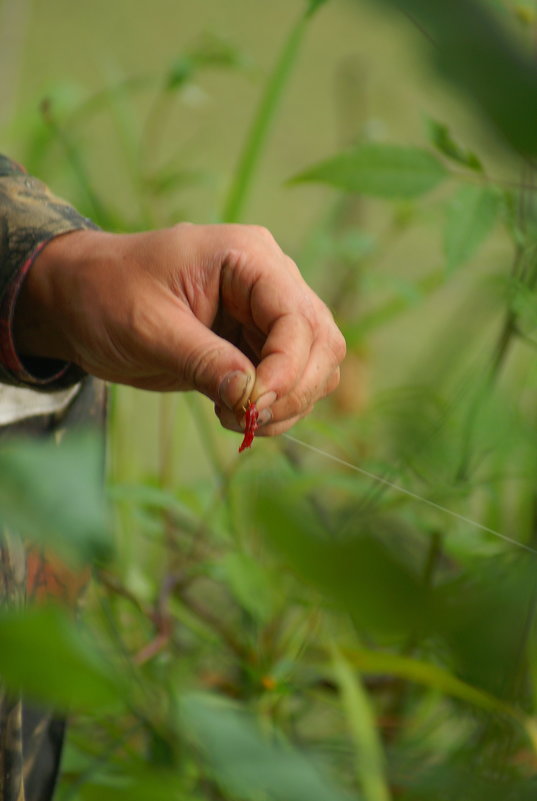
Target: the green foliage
(46, 500)
(362, 723)
(471, 215)
(471, 47)
(249, 764)
(427, 674)
(387, 171)
(442, 139)
(212, 53)
(45, 655)
(250, 583)
(264, 117)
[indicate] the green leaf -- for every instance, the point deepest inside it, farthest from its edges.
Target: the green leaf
(360, 567)
(53, 494)
(523, 302)
(249, 764)
(370, 759)
(473, 49)
(440, 136)
(44, 654)
(264, 118)
(156, 499)
(136, 783)
(471, 216)
(429, 675)
(378, 170)
(249, 582)
(211, 53)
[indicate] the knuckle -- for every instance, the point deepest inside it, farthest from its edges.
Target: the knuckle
(339, 346)
(333, 381)
(202, 367)
(292, 267)
(300, 400)
(261, 232)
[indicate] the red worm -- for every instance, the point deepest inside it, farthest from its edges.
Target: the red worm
(251, 426)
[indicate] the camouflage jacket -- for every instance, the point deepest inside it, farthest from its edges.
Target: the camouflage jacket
(30, 216)
(38, 397)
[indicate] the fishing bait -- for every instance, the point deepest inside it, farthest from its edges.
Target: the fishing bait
(251, 426)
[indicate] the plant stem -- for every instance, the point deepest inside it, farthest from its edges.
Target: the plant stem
(206, 435)
(370, 759)
(99, 212)
(266, 112)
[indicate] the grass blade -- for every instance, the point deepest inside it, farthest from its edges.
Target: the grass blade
(266, 113)
(363, 728)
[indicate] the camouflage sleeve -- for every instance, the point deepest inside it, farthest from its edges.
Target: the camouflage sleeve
(30, 216)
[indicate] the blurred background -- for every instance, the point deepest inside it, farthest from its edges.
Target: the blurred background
(391, 642)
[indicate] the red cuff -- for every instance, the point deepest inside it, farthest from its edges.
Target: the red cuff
(9, 357)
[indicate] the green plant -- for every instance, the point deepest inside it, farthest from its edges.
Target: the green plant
(347, 640)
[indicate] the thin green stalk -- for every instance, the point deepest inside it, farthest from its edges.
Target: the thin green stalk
(206, 435)
(370, 761)
(502, 345)
(266, 112)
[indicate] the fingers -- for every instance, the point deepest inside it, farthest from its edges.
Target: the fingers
(264, 289)
(187, 355)
(299, 358)
(275, 417)
(285, 355)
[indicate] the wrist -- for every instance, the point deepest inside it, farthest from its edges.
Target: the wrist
(38, 321)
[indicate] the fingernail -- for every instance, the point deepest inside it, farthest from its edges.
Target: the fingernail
(265, 401)
(264, 417)
(233, 388)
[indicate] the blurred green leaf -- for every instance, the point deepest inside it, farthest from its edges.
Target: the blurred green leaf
(358, 566)
(370, 758)
(45, 655)
(523, 302)
(475, 51)
(440, 136)
(379, 170)
(180, 72)
(471, 215)
(252, 765)
(486, 616)
(169, 180)
(135, 783)
(157, 499)
(250, 583)
(427, 674)
(53, 494)
(472, 771)
(211, 53)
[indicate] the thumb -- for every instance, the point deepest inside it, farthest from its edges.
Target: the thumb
(212, 365)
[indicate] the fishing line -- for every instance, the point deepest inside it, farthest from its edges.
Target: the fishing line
(410, 494)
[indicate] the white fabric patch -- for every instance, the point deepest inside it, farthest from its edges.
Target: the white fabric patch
(18, 404)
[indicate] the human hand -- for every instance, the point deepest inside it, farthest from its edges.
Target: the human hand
(219, 309)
